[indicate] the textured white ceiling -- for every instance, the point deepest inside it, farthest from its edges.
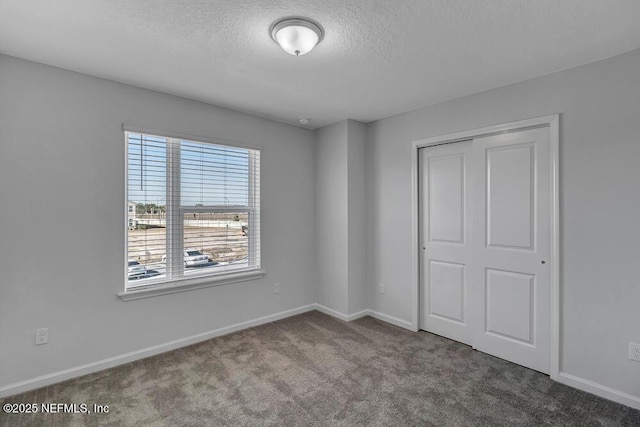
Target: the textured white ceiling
(379, 57)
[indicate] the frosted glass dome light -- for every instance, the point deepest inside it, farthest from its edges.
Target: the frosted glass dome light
(296, 36)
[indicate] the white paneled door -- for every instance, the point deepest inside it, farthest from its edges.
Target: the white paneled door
(485, 217)
(447, 240)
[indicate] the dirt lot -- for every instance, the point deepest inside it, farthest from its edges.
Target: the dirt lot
(220, 244)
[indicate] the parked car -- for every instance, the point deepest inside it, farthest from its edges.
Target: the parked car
(192, 257)
(136, 270)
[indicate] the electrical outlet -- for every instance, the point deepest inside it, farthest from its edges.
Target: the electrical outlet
(276, 288)
(42, 336)
(381, 288)
(634, 351)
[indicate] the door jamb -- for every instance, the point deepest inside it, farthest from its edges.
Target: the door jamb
(553, 123)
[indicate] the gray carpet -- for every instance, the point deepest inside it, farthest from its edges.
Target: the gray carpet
(314, 370)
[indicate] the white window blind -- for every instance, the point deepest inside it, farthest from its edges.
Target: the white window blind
(193, 210)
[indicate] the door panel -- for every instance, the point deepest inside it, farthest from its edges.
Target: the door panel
(510, 305)
(485, 233)
(510, 194)
(446, 291)
(446, 247)
(515, 212)
(446, 199)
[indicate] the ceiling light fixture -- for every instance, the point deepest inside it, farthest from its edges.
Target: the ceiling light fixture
(296, 35)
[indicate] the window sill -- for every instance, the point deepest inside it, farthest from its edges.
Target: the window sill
(189, 284)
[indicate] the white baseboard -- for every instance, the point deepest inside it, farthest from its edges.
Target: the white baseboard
(390, 319)
(56, 377)
(599, 390)
(67, 374)
(349, 317)
(331, 312)
(357, 315)
(89, 368)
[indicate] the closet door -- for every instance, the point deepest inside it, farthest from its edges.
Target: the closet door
(485, 220)
(446, 239)
(513, 247)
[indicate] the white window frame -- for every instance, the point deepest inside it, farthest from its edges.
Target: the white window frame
(174, 280)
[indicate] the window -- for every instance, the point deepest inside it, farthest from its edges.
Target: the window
(193, 212)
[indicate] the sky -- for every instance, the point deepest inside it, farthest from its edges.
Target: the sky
(210, 175)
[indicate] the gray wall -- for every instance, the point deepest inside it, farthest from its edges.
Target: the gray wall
(62, 220)
(356, 133)
(600, 205)
(340, 211)
(332, 217)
